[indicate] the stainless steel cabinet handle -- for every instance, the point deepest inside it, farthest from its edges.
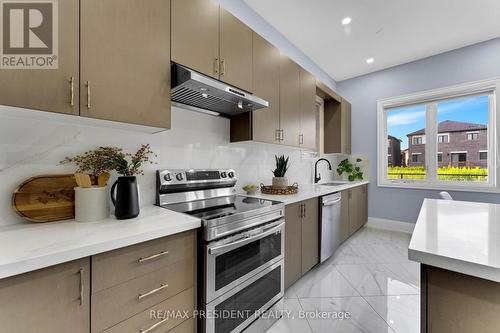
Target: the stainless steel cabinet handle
(223, 67)
(228, 247)
(301, 210)
(72, 91)
(154, 256)
(282, 135)
(305, 210)
(301, 139)
(153, 327)
(154, 291)
(81, 285)
(216, 66)
(89, 101)
(277, 135)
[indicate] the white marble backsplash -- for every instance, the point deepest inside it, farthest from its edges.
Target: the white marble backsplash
(30, 147)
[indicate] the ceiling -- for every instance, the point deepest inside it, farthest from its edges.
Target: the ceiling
(393, 32)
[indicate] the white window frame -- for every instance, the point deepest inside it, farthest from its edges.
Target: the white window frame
(486, 87)
(440, 153)
(472, 132)
(416, 137)
(483, 151)
(444, 134)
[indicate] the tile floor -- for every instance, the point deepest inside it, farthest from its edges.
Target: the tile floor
(370, 278)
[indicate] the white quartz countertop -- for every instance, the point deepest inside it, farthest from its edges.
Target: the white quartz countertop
(308, 191)
(27, 247)
(459, 236)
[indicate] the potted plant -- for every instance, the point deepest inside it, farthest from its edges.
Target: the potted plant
(92, 175)
(353, 171)
(126, 197)
(279, 179)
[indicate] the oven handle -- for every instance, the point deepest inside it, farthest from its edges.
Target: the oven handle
(231, 246)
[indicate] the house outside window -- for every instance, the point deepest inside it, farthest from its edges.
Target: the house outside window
(456, 126)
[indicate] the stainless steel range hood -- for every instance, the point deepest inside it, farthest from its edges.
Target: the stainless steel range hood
(201, 92)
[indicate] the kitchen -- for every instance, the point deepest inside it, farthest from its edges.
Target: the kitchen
(110, 274)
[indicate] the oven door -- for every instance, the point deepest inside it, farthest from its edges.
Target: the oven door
(232, 260)
(236, 310)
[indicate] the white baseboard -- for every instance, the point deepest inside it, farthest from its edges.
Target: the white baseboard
(386, 224)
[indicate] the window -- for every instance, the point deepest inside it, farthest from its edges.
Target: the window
(453, 126)
(443, 138)
(418, 140)
(472, 136)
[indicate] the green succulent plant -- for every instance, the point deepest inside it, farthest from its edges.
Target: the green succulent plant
(353, 171)
(281, 166)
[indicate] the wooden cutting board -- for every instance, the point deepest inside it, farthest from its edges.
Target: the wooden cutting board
(46, 198)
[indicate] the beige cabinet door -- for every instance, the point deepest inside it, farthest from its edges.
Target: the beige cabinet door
(344, 215)
(266, 85)
(307, 137)
(289, 101)
(50, 300)
(195, 35)
(356, 208)
(346, 126)
(49, 89)
(310, 235)
(235, 51)
(293, 241)
(125, 61)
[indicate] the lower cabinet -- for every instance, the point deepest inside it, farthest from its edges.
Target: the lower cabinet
(354, 211)
(50, 300)
(126, 290)
(301, 239)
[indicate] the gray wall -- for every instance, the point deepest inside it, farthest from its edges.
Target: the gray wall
(476, 62)
(251, 18)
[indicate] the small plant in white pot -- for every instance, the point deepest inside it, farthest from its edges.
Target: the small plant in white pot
(92, 175)
(279, 179)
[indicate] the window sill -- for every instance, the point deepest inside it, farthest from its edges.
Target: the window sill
(440, 187)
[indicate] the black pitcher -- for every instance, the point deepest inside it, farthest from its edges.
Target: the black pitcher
(126, 197)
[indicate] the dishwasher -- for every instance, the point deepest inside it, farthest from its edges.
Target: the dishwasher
(330, 225)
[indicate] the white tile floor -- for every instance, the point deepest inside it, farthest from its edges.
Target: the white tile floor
(370, 278)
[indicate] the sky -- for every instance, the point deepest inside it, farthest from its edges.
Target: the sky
(408, 119)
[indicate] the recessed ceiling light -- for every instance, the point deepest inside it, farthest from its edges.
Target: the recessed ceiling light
(370, 60)
(346, 20)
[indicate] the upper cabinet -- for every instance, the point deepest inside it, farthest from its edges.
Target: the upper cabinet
(210, 40)
(308, 115)
(235, 51)
(114, 64)
(289, 102)
(125, 67)
(337, 121)
(195, 35)
(266, 84)
(53, 90)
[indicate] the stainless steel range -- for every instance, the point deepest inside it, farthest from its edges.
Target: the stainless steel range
(241, 246)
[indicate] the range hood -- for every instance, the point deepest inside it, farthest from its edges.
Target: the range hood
(204, 93)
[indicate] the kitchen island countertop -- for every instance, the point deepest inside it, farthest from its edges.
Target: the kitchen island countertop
(459, 236)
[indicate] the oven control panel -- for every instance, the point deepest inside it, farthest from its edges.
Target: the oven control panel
(195, 176)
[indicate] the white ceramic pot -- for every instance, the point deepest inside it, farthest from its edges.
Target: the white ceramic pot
(91, 204)
(280, 182)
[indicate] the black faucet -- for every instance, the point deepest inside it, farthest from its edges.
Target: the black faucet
(317, 177)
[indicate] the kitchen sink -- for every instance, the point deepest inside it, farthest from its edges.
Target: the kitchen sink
(335, 183)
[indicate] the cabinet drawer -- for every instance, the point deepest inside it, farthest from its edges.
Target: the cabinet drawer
(120, 302)
(114, 267)
(141, 322)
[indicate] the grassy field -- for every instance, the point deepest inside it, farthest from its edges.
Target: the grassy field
(444, 173)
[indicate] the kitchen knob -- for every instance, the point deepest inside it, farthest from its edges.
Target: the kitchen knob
(223, 174)
(179, 176)
(231, 174)
(167, 177)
